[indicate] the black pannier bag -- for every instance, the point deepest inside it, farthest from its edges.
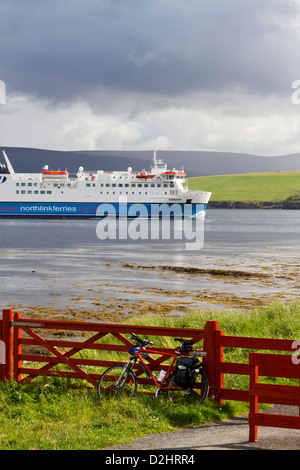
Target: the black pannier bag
(186, 371)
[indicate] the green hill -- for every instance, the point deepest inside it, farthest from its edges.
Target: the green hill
(278, 189)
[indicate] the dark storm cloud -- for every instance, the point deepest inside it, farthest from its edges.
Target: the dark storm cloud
(64, 50)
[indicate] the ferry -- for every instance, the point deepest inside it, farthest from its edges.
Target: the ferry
(56, 193)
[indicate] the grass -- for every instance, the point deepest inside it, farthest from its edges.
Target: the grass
(273, 186)
(47, 414)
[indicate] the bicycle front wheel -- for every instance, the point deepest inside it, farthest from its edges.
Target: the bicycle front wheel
(198, 392)
(116, 380)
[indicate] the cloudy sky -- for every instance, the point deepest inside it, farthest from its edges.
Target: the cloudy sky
(144, 74)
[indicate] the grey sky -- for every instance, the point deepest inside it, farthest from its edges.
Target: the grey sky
(133, 66)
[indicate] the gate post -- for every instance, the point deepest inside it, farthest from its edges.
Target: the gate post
(2, 351)
(17, 348)
(214, 356)
(7, 339)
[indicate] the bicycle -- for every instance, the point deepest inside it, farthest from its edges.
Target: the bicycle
(122, 378)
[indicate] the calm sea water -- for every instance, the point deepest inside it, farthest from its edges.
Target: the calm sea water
(60, 259)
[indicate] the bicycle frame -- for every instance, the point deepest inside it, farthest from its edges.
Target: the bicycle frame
(138, 357)
(138, 353)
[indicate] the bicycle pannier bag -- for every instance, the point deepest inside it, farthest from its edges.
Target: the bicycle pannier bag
(185, 374)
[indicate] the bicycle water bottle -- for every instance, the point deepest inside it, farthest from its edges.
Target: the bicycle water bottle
(161, 376)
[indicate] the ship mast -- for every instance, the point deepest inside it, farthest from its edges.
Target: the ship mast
(8, 164)
(154, 159)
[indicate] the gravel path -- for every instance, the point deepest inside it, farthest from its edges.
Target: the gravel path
(232, 434)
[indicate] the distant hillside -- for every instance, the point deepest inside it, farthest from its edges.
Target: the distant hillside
(280, 190)
(200, 163)
(26, 160)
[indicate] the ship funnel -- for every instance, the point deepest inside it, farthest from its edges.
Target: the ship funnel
(8, 164)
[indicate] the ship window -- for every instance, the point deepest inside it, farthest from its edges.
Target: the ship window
(49, 192)
(152, 185)
(165, 185)
(120, 185)
(17, 191)
(23, 192)
(133, 185)
(145, 185)
(107, 185)
(29, 184)
(17, 184)
(88, 185)
(36, 192)
(34, 184)
(29, 192)
(101, 185)
(42, 192)
(126, 185)
(140, 185)
(114, 185)
(23, 184)
(159, 185)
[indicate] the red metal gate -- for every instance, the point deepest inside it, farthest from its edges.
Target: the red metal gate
(272, 365)
(24, 332)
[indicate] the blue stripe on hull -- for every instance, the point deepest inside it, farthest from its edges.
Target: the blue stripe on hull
(57, 210)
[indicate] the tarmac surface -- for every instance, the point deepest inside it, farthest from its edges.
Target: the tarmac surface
(232, 434)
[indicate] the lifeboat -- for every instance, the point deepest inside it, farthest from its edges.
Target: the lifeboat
(54, 174)
(144, 175)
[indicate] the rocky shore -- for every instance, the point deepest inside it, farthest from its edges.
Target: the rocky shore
(292, 202)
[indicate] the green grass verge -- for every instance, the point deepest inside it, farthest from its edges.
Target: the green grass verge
(276, 186)
(49, 415)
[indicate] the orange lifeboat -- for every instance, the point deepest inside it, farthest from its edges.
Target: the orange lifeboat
(144, 175)
(54, 173)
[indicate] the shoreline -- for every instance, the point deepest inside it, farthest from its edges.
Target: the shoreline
(292, 203)
(208, 288)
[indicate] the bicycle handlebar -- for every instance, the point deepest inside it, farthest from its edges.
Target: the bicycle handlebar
(143, 342)
(186, 344)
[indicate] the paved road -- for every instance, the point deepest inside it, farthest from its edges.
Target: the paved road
(231, 434)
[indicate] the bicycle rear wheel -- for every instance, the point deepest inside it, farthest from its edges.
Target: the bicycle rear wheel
(116, 380)
(198, 392)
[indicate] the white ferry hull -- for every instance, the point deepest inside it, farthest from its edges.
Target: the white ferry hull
(55, 194)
